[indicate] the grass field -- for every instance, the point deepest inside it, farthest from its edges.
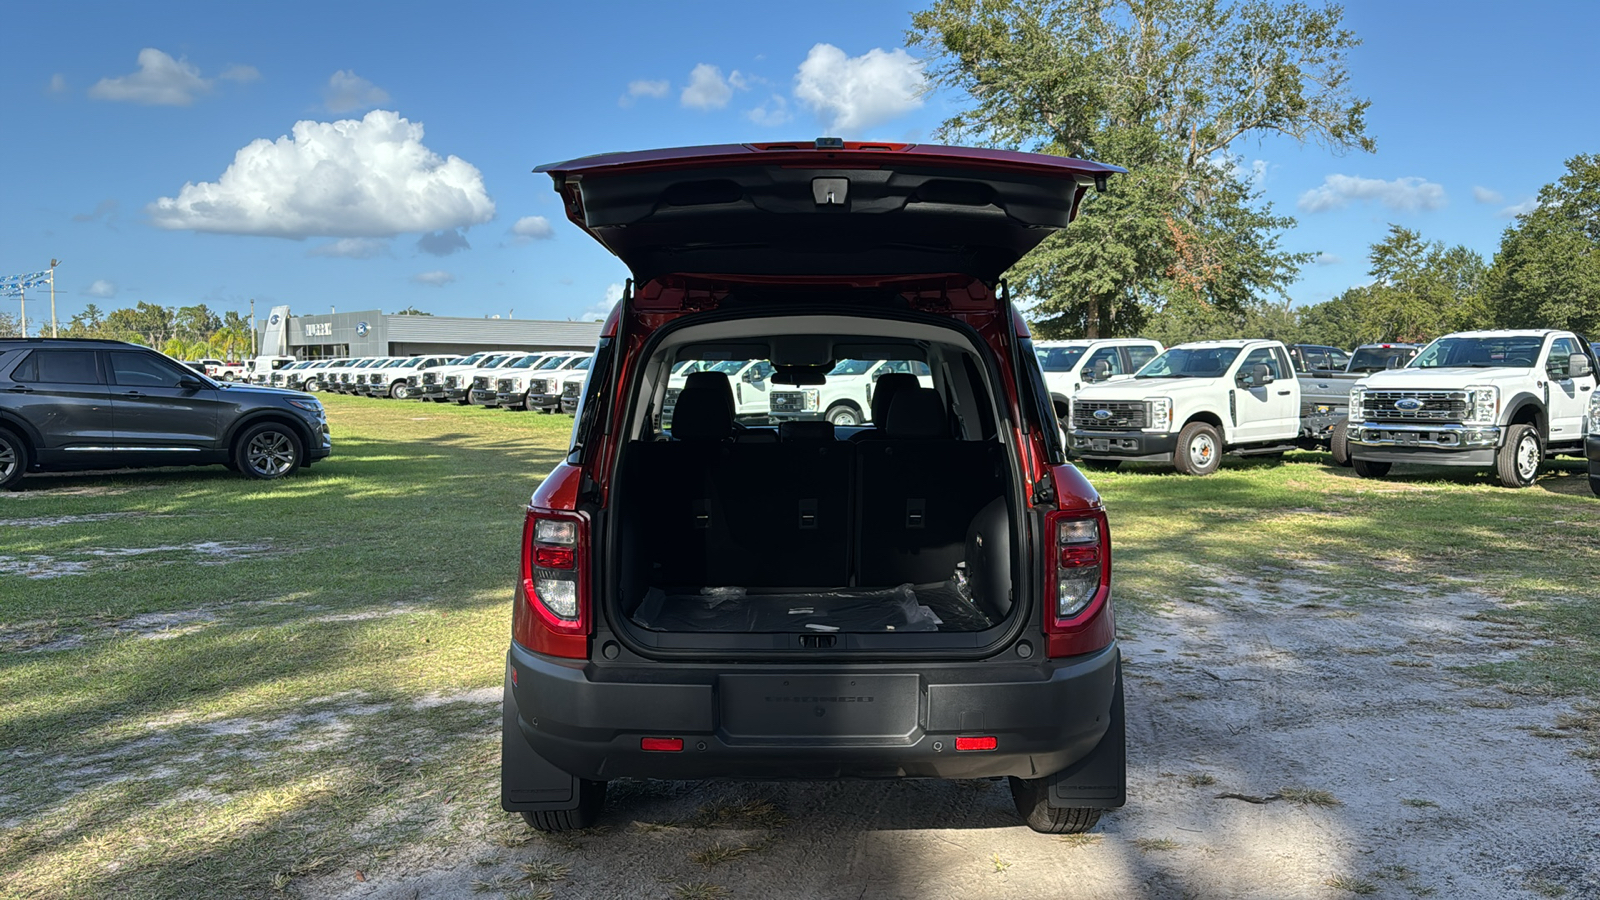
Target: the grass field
(213, 687)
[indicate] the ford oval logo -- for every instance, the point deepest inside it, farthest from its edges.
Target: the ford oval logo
(1408, 404)
(1102, 414)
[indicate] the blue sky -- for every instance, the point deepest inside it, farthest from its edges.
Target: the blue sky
(114, 108)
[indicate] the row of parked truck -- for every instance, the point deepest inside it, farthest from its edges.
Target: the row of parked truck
(509, 379)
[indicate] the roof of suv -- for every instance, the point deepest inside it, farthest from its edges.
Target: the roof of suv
(14, 342)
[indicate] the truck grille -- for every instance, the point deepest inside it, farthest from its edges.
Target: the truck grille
(452, 381)
(430, 377)
(481, 382)
(411, 380)
(344, 378)
(1437, 406)
(503, 385)
(1125, 415)
(571, 389)
(788, 401)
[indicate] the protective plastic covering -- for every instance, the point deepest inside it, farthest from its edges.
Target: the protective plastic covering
(942, 606)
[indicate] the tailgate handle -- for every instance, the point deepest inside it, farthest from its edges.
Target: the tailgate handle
(830, 191)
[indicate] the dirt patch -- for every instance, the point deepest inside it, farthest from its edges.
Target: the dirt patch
(87, 518)
(1274, 752)
(84, 562)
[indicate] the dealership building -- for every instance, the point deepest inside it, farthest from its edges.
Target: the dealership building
(372, 333)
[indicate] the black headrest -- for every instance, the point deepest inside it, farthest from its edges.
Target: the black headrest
(805, 431)
(884, 390)
(711, 381)
(701, 415)
(917, 413)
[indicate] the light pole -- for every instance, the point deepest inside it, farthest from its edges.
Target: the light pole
(252, 328)
(53, 263)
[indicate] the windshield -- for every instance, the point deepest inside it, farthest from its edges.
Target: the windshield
(1510, 351)
(552, 363)
(730, 366)
(411, 363)
(583, 364)
(1059, 359)
(853, 366)
(1190, 362)
(524, 362)
(490, 362)
(471, 359)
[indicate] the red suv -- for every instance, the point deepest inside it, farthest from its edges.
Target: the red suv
(722, 595)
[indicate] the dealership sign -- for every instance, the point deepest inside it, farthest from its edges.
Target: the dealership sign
(319, 329)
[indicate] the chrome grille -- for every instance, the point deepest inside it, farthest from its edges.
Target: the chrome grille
(1437, 406)
(788, 401)
(1125, 414)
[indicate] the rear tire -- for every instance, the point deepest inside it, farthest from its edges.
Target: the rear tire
(1339, 445)
(843, 414)
(1199, 449)
(1518, 459)
(13, 460)
(591, 799)
(1032, 798)
(268, 451)
(1369, 469)
(1101, 465)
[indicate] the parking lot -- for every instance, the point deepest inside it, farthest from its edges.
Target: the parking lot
(213, 687)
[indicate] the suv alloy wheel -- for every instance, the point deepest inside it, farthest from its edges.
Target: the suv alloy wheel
(13, 460)
(268, 451)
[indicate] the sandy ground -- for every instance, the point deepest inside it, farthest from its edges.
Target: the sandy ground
(1443, 788)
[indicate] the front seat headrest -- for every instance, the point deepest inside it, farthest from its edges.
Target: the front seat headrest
(711, 381)
(701, 415)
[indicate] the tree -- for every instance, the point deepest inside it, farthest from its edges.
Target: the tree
(411, 311)
(11, 325)
(1423, 290)
(147, 323)
(1547, 271)
(196, 322)
(1336, 322)
(1166, 88)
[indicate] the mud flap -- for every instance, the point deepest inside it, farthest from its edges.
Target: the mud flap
(527, 781)
(1099, 780)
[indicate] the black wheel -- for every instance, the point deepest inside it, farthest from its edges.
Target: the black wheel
(591, 798)
(268, 451)
(1517, 461)
(1031, 795)
(13, 460)
(399, 391)
(843, 414)
(1339, 445)
(1199, 449)
(1368, 469)
(1101, 465)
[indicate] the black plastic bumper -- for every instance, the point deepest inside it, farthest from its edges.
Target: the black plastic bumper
(568, 720)
(1133, 446)
(1591, 449)
(544, 401)
(508, 399)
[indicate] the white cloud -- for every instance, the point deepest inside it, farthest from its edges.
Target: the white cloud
(775, 111)
(347, 91)
(1520, 209)
(1328, 259)
(603, 308)
(436, 278)
(1485, 195)
(351, 248)
(241, 74)
(854, 93)
(1409, 194)
(707, 89)
(443, 243)
(58, 84)
(531, 228)
(102, 288)
(369, 177)
(160, 81)
(644, 88)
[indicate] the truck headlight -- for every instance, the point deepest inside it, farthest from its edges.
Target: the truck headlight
(1357, 414)
(809, 399)
(1483, 404)
(1594, 413)
(1158, 415)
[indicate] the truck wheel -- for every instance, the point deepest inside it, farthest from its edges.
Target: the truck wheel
(1199, 449)
(843, 414)
(1339, 445)
(1031, 795)
(268, 451)
(399, 391)
(1101, 465)
(1517, 461)
(1369, 469)
(13, 460)
(591, 798)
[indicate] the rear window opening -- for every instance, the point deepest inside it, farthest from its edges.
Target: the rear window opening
(740, 513)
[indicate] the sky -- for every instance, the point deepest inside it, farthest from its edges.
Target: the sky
(377, 156)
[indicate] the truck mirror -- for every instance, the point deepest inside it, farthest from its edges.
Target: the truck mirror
(1578, 366)
(1102, 370)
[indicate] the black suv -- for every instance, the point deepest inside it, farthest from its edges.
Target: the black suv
(93, 404)
(716, 596)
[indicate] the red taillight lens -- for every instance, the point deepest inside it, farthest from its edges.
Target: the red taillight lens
(552, 614)
(1077, 613)
(665, 745)
(976, 743)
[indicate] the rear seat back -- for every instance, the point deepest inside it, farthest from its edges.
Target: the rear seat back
(917, 500)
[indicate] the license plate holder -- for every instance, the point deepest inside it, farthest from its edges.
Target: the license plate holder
(831, 709)
(1100, 444)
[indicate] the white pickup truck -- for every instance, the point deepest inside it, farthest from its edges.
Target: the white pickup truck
(846, 396)
(1501, 400)
(1069, 366)
(1189, 406)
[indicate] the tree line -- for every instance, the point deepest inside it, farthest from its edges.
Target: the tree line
(182, 332)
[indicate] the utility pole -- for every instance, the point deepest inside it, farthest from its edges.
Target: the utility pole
(53, 263)
(22, 293)
(252, 328)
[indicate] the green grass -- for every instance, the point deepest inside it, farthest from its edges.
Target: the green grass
(248, 685)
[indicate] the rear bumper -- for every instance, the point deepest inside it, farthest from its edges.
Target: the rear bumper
(902, 721)
(1134, 446)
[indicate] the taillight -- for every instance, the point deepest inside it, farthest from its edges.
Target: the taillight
(552, 614)
(1077, 589)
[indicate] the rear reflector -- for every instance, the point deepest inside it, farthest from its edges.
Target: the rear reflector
(976, 743)
(669, 745)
